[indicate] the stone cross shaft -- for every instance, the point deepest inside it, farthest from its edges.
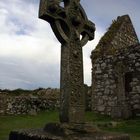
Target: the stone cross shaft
(73, 30)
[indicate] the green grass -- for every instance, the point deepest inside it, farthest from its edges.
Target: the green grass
(131, 127)
(8, 123)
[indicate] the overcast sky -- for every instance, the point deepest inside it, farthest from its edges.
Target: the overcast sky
(29, 51)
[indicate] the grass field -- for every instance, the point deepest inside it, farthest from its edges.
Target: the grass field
(8, 123)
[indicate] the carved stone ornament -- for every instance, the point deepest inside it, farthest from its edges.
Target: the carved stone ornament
(66, 17)
(73, 30)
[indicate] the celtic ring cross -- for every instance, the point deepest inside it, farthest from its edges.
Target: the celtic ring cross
(67, 18)
(73, 30)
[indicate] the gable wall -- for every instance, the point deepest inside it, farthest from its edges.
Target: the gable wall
(107, 93)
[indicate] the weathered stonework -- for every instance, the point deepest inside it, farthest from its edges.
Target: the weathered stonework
(116, 72)
(64, 133)
(35, 101)
(68, 24)
(120, 34)
(29, 103)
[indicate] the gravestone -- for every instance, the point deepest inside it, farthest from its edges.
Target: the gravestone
(72, 28)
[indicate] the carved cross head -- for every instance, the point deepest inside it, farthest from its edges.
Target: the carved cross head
(67, 18)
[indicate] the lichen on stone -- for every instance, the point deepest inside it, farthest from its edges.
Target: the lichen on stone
(118, 35)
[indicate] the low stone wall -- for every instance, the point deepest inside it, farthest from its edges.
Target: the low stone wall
(31, 103)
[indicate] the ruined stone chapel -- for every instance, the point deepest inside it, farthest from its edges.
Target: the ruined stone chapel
(116, 71)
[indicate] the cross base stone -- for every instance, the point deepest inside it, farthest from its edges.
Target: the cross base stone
(55, 131)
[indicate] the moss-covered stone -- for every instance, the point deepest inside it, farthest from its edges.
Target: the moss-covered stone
(120, 34)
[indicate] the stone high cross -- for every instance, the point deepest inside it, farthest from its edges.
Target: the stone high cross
(73, 29)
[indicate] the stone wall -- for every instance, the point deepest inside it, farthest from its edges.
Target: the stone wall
(116, 83)
(33, 102)
(116, 71)
(120, 34)
(125, 36)
(28, 103)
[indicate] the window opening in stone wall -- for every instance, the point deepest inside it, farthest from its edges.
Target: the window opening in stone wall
(128, 79)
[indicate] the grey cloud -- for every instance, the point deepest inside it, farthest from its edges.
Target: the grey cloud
(22, 73)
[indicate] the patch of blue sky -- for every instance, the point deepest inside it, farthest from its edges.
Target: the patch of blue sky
(22, 28)
(32, 1)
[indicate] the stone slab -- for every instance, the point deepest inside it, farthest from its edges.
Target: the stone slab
(40, 134)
